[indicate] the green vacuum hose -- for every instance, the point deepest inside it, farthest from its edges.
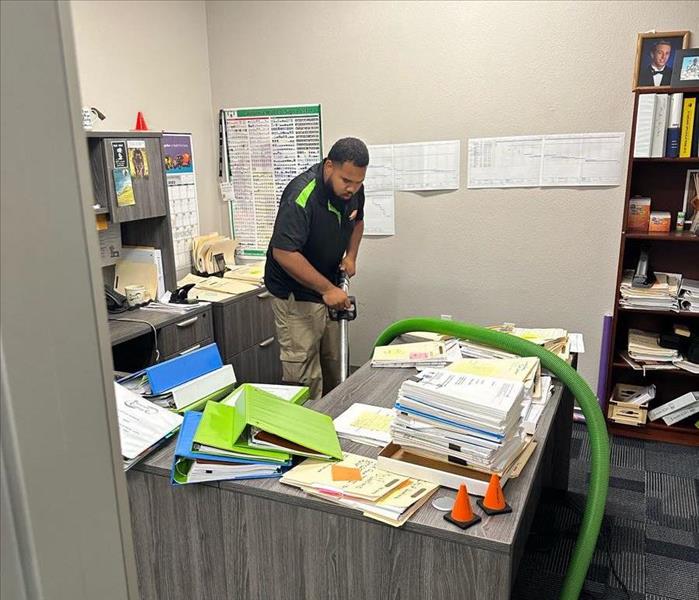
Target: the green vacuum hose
(597, 430)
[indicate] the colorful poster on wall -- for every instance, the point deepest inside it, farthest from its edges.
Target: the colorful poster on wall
(182, 195)
(123, 187)
(119, 154)
(177, 153)
(263, 150)
(138, 158)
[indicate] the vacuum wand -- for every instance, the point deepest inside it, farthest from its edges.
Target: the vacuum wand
(344, 317)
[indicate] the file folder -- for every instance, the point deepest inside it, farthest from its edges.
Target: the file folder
(176, 371)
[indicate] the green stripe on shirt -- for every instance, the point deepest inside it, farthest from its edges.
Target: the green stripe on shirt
(305, 193)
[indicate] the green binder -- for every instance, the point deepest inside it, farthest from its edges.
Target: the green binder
(220, 428)
(291, 422)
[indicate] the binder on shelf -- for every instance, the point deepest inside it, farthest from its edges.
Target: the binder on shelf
(662, 112)
(672, 144)
(688, 110)
(645, 119)
(181, 369)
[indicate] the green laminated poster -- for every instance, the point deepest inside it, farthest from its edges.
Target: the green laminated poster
(123, 187)
(220, 427)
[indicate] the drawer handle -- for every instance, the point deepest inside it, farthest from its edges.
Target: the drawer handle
(267, 342)
(188, 322)
(264, 295)
(192, 349)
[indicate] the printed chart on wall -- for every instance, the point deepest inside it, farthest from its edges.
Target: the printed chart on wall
(264, 149)
(561, 160)
(182, 195)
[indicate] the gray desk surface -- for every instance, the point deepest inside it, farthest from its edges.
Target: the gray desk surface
(122, 331)
(380, 387)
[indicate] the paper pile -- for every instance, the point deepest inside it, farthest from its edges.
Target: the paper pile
(662, 295)
(423, 354)
(365, 424)
(214, 289)
(468, 419)
(644, 347)
(206, 249)
(252, 273)
(356, 482)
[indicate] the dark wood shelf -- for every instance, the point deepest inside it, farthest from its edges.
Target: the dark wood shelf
(621, 364)
(690, 160)
(670, 90)
(103, 210)
(658, 432)
(672, 236)
(645, 311)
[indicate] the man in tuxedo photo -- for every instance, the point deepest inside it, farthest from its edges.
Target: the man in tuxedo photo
(657, 72)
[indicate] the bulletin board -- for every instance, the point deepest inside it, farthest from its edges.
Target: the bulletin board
(262, 150)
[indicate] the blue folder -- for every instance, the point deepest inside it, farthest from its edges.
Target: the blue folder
(169, 374)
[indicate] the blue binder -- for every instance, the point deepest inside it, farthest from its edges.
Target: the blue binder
(184, 452)
(181, 369)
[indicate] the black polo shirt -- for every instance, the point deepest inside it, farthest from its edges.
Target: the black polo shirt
(313, 221)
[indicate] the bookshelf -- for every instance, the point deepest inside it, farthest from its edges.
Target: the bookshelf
(663, 180)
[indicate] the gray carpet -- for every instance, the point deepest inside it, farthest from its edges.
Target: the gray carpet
(652, 518)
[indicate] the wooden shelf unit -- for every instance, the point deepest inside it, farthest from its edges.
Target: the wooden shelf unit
(663, 180)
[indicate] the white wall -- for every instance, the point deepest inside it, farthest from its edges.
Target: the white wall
(153, 57)
(402, 72)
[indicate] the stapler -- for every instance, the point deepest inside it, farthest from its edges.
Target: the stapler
(643, 277)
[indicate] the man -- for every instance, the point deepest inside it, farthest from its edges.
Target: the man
(317, 232)
(657, 72)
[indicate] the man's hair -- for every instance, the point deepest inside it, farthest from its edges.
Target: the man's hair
(660, 43)
(349, 150)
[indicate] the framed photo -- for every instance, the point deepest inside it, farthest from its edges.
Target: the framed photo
(686, 71)
(655, 58)
(691, 195)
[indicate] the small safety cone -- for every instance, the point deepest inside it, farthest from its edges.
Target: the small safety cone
(493, 503)
(140, 122)
(461, 513)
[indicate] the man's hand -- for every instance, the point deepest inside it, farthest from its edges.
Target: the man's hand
(337, 299)
(349, 266)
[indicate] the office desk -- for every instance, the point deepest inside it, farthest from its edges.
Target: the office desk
(133, 343)
(263, 540)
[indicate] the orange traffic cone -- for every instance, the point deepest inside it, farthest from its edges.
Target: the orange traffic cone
(462, 513)
(140, 122)
(493, 502)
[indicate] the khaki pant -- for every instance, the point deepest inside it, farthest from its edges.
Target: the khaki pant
(309, 340)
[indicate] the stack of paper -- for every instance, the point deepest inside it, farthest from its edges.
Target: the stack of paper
(165, 305)
(424, 354)
(211, 252)
(142, 425)
(644, 347)
(553, 339)
(252, 273)
(662, 295)
(472, 420)
(527, 370)
(471, 349)
(357, 483)
(214, 289)
(365, 424)
(689, 295)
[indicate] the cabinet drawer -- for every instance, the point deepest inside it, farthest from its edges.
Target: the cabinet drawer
(259, 364)
(186, 333)
(244, 323)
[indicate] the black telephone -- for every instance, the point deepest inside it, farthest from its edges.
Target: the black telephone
(116, 303)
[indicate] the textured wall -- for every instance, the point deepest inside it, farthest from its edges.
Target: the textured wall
(153, 57)
(403, 72)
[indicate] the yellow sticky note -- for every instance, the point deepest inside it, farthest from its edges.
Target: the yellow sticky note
(341, 473)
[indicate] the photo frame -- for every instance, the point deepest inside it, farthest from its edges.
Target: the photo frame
(690, 205)
(655, 57)
(686, 71)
